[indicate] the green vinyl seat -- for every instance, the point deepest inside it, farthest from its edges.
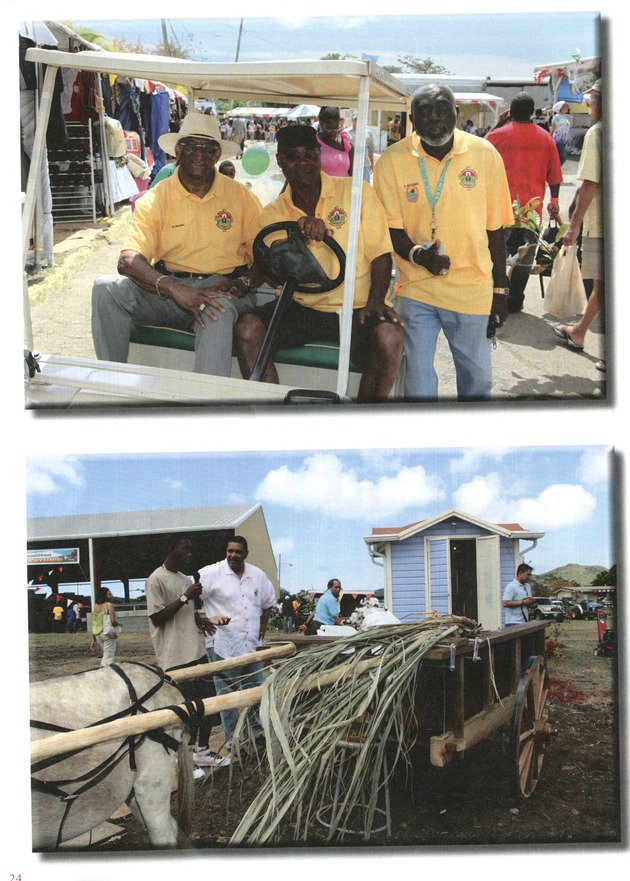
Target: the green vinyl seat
(319, 353)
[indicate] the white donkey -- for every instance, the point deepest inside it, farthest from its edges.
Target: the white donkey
(74, 793)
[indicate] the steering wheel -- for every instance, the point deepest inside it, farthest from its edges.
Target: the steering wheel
(292, 260)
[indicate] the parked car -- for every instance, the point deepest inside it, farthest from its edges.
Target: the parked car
(547, 608)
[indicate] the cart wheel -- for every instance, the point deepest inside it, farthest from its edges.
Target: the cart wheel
(531, 729)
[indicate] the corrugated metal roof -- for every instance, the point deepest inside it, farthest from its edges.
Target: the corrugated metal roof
(139, 522)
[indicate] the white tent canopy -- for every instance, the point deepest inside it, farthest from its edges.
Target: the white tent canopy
(258, 112)
(360, 84)
(303, 111)
(286, 82)
(483, 99)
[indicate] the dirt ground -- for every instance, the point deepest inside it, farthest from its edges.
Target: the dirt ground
(470, 802)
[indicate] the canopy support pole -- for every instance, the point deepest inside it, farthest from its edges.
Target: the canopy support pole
(345, 329)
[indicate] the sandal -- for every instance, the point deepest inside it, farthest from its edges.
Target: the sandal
(601, 365)
(561, 332)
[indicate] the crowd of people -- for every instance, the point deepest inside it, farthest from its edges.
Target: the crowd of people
(439, 208)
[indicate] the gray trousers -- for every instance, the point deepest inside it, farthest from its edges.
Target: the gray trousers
(118, 302)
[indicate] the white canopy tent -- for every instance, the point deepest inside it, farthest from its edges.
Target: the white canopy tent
(481, 99)
(576, 75)
(258, 112)
(360, 84)
(303, 111)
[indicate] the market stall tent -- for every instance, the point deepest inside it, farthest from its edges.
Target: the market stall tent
(259, 112)
(568, 80)
(360, 84)
(479, 106)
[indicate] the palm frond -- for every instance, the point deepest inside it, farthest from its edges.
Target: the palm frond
(359, 687)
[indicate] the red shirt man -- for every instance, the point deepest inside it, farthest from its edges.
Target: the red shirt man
(529, 155)
(531, 161)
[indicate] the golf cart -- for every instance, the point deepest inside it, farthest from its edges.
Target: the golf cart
(66, 382)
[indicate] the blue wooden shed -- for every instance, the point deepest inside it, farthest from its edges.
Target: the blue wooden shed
(453, 563)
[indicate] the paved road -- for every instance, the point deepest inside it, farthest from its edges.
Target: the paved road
(529, 362)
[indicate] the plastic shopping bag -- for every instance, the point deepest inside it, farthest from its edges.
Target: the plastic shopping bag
(565, 295)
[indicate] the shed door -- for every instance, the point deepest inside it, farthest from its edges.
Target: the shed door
(488, 583)
(463, 553)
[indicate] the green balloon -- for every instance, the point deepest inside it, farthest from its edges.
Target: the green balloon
(255, 160)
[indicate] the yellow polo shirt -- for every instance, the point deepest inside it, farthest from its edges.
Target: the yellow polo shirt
(334, 209)
(475, 197)
(212, 234)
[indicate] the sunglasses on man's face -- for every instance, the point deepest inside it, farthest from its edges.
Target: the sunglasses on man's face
(207, 147)
(296, 155)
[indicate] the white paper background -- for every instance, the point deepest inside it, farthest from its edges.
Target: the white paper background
(35, 433)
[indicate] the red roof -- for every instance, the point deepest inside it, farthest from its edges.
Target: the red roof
(394, 530)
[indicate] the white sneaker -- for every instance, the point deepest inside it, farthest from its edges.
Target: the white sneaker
(208, 758)
(198, 773)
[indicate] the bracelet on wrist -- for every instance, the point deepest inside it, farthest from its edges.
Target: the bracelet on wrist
(157, 287)
(412, 252)
(502, 291)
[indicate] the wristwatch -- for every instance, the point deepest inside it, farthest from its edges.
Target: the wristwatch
(183, 598)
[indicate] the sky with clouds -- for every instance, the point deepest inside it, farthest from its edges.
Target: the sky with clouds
(320, 505)
(465, 44)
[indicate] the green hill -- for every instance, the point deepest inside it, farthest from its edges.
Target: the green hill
(573, 574)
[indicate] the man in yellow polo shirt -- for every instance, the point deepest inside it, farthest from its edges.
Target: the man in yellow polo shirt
(320, 205)
(447, 200)
(186, 261)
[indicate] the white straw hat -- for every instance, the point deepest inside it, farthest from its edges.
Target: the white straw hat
(198, 125)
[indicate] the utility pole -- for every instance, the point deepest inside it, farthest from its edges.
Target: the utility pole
(167, 47)
(238, 42)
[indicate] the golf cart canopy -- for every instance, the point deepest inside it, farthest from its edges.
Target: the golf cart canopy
(287, 82)
(348, 84)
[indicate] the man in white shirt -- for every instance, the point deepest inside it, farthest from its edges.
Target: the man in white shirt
(234, 589)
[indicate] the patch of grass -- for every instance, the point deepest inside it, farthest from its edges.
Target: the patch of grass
(571, 660)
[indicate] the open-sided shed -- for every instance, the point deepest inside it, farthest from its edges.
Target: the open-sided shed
(127, 546)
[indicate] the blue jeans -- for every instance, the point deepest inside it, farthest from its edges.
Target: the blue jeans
(236, 680)
(466, 337)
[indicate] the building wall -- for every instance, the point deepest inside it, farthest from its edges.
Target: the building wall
(408, 579)
(260, 550)
(430, 551)
(439, 568)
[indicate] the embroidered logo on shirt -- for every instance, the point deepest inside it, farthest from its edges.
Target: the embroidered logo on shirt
(412, 192)
(337, 217)
(468, 178)
(224, 219)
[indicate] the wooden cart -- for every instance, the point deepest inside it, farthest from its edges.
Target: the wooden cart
(469, 688)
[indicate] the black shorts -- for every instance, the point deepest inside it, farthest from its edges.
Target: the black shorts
(301, 325)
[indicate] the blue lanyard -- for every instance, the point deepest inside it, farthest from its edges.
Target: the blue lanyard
(433, 199)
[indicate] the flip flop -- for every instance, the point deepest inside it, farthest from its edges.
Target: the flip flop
(601, 365)
(564, 335)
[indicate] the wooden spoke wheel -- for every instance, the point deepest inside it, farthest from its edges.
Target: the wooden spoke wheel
(531, 728)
